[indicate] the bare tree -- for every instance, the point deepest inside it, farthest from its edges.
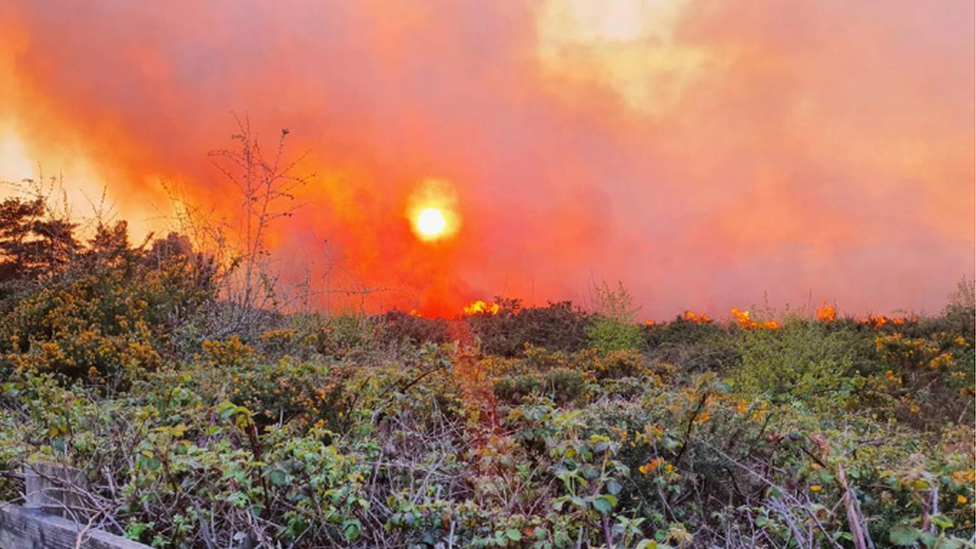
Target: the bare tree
(265, 185)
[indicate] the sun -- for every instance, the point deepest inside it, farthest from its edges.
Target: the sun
(432, 211)
(431, 223)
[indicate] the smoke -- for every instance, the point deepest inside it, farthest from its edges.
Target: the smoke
(707, 153)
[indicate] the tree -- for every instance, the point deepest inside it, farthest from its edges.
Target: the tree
(265, 186)
(33, 243)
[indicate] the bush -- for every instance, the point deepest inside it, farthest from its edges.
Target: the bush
(614, 328)
(696, 346)
(398, 328)
(108, 317)
(803, 361)
(557, 326)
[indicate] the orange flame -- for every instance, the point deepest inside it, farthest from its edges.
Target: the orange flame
(692, 316)
(746, 321)
(878, 321)
(479, 307)
(826, 313)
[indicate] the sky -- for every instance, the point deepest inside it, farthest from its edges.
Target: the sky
(707, 154)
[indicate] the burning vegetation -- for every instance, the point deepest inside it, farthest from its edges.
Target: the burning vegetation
(479, 307)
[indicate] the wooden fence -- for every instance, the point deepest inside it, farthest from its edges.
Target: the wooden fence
(49, 497)
(32, 528)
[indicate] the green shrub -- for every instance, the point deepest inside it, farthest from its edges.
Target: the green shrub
(561, 385)
(802, 360)
(614, 327)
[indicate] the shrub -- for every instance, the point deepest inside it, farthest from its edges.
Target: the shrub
(109, 316)
(346, 335)
(557, 326)
(399, 328)
(695, 346)
(801, 361)
(614, 328)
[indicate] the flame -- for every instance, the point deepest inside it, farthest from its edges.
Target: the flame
(692, 316)
(479, 307)
(742, 317)
(747, 322)
(432, 210)
(826, 313)
(879, 321)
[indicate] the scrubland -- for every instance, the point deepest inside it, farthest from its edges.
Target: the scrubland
(204, 421)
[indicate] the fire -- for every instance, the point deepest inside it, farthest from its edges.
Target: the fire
(432, 210)
(692, 316)
(826, 313)
(879, 321)
(479, 307)
(747, 322)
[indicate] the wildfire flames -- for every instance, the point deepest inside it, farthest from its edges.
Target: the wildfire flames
(747, 322)
(692, 316)
(826, 313)
(479, 307)
(879, 321)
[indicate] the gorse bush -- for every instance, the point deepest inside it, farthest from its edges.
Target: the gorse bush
(804, 360)
(615, 326)
(107, 313)
(557, 326)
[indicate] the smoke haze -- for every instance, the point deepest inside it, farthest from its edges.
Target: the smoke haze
(706, 153)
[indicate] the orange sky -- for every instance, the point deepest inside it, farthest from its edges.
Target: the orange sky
(706, 153)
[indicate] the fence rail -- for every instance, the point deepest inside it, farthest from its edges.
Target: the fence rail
(26, 528)
(51, 493)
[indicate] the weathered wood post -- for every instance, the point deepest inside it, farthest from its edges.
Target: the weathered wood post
(48, 488)
(54, 515)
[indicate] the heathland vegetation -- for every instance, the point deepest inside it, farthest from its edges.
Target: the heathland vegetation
(200, 418)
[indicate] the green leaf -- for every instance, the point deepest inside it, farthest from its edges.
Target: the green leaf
(904, 535)
(352, 528)
(948, 543)
(604, 504)
(278, 477)
(941, 521)
(514, 534)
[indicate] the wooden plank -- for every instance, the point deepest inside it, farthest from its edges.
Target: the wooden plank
(45, 489)
(22, 528)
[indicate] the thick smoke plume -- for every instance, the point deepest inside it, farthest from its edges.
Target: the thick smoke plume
(704, 152)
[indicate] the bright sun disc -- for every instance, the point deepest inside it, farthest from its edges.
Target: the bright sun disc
(431, 222)
(432, 211)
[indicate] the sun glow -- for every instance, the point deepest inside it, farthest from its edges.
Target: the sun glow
(432, 210)
(430, 222)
